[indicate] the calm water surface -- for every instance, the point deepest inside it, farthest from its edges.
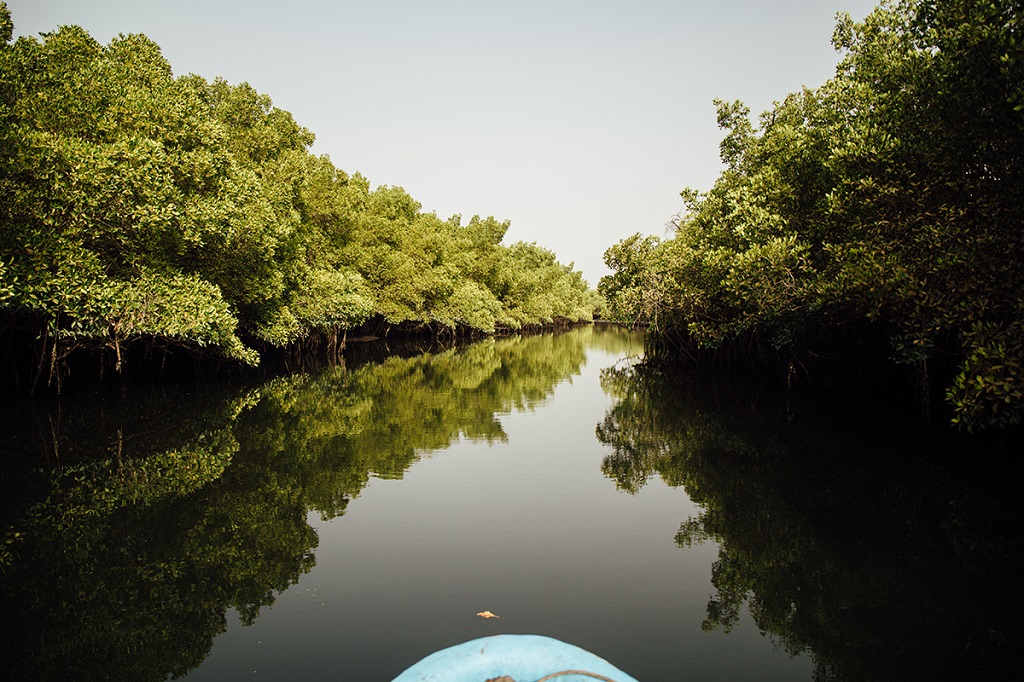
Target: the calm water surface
(342, 524)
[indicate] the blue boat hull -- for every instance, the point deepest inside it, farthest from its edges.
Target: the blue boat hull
(524, 658)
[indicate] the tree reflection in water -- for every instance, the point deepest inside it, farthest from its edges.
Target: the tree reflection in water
(886, 552)
(146, 520)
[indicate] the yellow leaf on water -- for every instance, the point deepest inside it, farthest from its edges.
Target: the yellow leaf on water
(487, 614)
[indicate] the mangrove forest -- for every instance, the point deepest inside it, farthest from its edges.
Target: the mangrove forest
(144, 212)
(866, 230)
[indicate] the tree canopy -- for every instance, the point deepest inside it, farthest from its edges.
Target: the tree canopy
(140, 207)
(879, 213)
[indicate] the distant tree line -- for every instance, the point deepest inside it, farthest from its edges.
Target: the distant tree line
(139, 208)
(880, 215)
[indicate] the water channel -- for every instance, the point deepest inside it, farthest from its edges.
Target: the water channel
(342, 523)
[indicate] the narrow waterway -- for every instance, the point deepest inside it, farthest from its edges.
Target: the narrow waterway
(342, 524)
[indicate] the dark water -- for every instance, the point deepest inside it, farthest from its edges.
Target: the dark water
(342, 524)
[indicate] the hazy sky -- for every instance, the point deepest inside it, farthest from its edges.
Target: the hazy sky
(578, 121)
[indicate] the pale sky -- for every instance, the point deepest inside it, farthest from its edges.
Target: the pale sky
(579, 122)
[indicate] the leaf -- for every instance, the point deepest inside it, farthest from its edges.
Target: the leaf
(487, 614)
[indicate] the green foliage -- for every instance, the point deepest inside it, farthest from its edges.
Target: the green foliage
(631, 289)
(880, 205)
(143, 207)
(988, 389)
(539, 289)
(332, 299)
(6, 25)
(111, 167)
